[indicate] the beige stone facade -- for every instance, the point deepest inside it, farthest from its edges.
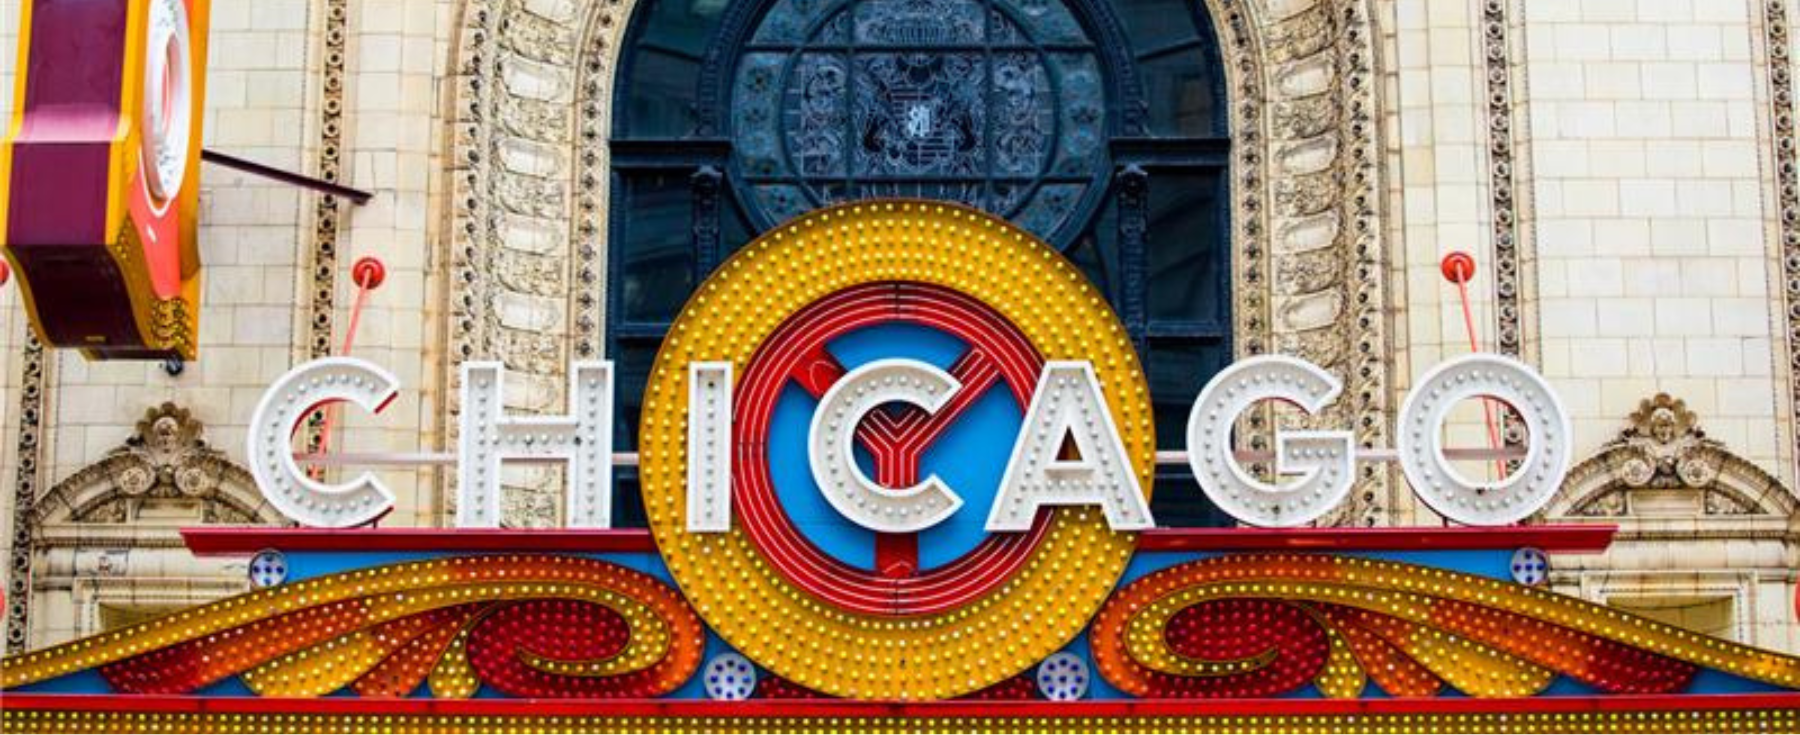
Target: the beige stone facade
(1621, 169)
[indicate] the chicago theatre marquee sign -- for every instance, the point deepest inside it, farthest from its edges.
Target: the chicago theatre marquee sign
(896, 458)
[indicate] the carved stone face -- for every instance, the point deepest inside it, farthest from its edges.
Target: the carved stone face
(165, 435)
(1663, 425)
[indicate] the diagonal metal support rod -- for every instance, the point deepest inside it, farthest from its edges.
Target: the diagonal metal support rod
(356, 196)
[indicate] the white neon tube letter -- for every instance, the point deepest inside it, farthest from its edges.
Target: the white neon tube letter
(831, 446)
(279, 414)
(1438, 483)
(709, 447)
(1324, 460)
(582, 438)
(1069, 404)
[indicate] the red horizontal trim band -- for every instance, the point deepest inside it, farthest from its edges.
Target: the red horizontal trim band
(213, 540)
(855, 709)
(1567, 538)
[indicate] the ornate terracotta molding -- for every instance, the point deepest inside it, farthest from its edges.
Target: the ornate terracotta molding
(321, 260)
(1662, 448)
(1786, 175)
(531, 197)
(1309, 262)
(529, 201)
(1496, 55)
(166, 457)
(34, 388)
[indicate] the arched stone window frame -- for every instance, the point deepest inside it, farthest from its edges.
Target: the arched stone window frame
(1668, 486)
(1663, 449)
(94, 548)
(529, 200)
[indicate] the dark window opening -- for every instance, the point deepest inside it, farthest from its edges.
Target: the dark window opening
(1035, 110)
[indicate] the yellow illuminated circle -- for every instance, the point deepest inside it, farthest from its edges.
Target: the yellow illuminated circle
(817, 645)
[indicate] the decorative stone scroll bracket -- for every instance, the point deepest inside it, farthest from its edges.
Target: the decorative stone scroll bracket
(1662, 448)
(166, 458)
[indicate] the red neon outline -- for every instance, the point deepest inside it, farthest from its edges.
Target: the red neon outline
(890, 709)
(1568, 539)
(989, 564)
(221, 540)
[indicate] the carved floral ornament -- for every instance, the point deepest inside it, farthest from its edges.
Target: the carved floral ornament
(535, 79)
(1663, 447)
(166, 458)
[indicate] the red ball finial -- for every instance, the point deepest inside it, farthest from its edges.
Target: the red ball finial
(368, 272)
(1458, 267)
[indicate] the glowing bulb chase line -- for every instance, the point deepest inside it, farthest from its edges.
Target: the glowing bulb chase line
(1068, 408)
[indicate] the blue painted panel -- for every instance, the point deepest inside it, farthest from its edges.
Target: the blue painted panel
(799, 495)
(993, 422)
(80, 682)
(896, 340)
(309, 565)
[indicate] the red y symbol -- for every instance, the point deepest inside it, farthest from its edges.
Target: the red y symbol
(897, 441)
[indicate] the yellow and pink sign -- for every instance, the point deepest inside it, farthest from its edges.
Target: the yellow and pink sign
(101, 166)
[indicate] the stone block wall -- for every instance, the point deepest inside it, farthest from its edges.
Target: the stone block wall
(1656, 269)
(1639, 147)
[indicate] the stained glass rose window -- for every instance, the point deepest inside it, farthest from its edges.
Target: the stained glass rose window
(998, 104)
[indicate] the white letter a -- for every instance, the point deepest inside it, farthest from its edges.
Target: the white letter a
(1068, 405)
